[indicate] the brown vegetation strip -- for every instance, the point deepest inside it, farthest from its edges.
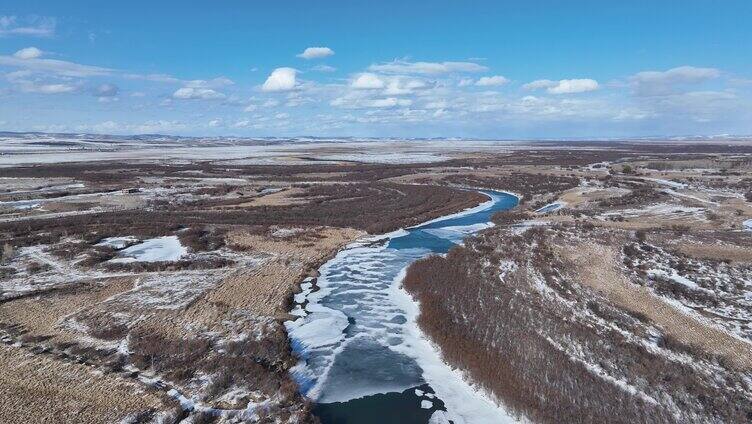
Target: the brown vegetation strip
(376, 208)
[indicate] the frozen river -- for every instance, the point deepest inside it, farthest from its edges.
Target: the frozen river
(364, 360)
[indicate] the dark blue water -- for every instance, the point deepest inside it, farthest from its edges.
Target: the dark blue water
(422, 237)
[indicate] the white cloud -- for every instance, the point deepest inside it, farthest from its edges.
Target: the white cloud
(53, 66)
(367, 81)
(28, 82)
(281, 79)
(323, 68)
(495, 80)
(429, 68)
(574, 86)
(464, 82)
(399, 86)
(656, 83)
(212, 83)
(49, 88)
(316, 53)
(32, 27)
(388, 102)
(680, 74)
(363, 99)
(566, 86)
(28, 53)
(538, 84)
(215, 122)
(250, 108)
(192, 93)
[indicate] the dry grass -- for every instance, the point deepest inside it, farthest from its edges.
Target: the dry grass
(280, 198)
(265, 290)
(597, 267)
(39, 389)
(717, 252)
(41, 315)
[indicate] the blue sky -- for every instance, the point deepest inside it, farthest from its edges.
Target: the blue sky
(488, 69)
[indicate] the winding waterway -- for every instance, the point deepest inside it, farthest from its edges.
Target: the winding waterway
(364, 360)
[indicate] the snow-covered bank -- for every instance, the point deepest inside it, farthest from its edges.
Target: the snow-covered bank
(465, 402)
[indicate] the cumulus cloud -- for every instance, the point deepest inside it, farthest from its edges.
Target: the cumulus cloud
(656, 83)
(495, 80)
(32, 27)
(281, 79)
(194, 93)
(400, 86)
(367, 81)
(316, 53)
(539, 84)
(574, 86)
(566, 86)
(428, 68)
(28, 53)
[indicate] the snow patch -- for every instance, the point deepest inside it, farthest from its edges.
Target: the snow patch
(167, 248)
(117, 242)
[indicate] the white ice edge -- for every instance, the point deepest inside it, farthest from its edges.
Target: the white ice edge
(465, 403)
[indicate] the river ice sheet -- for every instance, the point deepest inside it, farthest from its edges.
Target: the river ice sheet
(357, 334)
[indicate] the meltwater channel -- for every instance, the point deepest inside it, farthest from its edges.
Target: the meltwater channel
(363, 358)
